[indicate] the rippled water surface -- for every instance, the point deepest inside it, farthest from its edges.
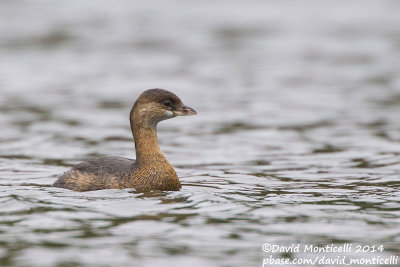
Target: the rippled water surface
(297, 138)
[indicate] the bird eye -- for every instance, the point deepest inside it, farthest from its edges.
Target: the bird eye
(167, 103)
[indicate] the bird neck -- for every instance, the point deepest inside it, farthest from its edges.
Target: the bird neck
(145, 137)
(147, 148)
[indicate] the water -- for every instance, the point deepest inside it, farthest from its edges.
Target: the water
(297, 138)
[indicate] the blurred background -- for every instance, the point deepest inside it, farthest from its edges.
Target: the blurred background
(297, 138)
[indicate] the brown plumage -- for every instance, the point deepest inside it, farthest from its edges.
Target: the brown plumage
(151, 170)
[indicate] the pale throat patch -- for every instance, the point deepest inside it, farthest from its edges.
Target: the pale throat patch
(150, 108)
(169, 113)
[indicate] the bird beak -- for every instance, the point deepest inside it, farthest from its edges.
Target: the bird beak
(184, 111)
